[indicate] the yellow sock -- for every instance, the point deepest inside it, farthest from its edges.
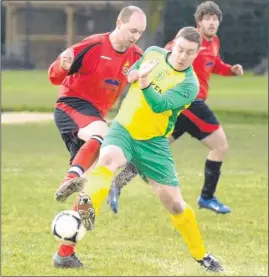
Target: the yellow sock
(98, 186)
(187, 225)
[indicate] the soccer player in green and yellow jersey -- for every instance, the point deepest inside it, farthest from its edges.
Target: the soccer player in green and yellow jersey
(163, 84)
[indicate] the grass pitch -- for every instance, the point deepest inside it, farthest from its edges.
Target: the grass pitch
(140, 240)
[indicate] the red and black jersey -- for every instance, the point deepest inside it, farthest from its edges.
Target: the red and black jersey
(207, 62)
(98, 73)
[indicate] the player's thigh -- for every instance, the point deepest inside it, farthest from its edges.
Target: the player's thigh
(118, 138)
(79, 118)
(170, 196)
(200, 120)
(153, 159)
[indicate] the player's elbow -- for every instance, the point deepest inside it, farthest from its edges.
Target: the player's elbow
(52, 78)
(55, 81)
(157, 109)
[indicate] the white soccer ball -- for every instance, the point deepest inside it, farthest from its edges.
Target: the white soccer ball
(67, 227)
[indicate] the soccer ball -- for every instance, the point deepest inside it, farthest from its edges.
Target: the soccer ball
(67, 227)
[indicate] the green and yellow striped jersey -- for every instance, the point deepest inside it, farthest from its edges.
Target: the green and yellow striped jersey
(152, 112)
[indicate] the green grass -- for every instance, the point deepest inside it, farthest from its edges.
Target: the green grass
(247, 93)
(141, 239)
(28, 90)
(31, 90)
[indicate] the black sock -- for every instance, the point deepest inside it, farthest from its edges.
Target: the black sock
(212, 174)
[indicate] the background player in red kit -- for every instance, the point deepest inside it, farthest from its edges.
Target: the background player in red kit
(198, 120)
(91, 75)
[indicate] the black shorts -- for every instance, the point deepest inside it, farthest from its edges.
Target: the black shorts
(70, 115)
(198, 120)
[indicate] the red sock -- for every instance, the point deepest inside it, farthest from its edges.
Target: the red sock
(85, 157)
(66, 250)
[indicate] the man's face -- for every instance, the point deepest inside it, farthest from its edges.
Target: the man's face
(209, 25)
(184, 52)
(130, 32)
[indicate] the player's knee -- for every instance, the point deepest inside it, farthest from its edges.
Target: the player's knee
(178, 206)
(223, 148)
(96, 128)
(106, 159)
(112, 157)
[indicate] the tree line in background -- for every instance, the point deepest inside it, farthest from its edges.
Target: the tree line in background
(243, 31)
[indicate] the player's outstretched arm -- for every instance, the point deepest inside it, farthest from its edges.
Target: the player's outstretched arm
(174, 98)
(224, 69)
(59, 69)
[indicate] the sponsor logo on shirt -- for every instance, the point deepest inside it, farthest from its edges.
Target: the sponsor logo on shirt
(209, 63)
(157, 88)
(111, 84)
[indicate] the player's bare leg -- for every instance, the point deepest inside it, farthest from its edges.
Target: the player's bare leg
(93, 135)
(218, 147)
(184, 220)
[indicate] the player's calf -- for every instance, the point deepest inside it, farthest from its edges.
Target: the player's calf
(121, 180)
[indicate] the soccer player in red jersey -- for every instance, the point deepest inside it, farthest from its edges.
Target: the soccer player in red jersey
(91, 75)
(199, 120)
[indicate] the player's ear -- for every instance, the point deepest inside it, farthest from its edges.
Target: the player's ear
(118, 24)
(196, 54)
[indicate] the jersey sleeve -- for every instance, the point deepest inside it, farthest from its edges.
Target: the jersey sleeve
(222, 68)
(180, 95)
(56, 73)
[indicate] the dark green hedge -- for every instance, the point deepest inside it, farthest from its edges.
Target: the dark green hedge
(243, 32)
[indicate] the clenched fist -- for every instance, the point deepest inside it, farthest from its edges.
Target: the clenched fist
(66, 59)
(237, 70)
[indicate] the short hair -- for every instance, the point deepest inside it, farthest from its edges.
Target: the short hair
(207, 8)
(127, 12)
(190, 34)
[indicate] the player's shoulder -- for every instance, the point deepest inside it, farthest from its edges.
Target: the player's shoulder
(96, 38)
(156, 49)
(191, 76)
(137, 50)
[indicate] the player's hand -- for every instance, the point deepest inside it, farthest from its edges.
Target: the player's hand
(237, 70)
(66, 59)
(133, 76)
(147, 67)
